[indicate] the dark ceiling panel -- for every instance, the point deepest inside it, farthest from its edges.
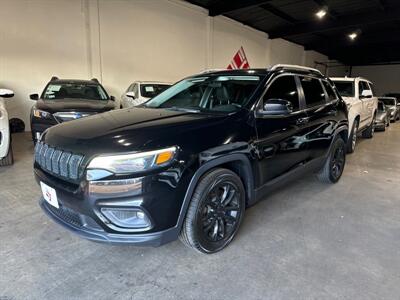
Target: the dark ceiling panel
(377, 21)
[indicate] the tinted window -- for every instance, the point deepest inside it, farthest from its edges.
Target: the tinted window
(313, 91)
(393, 95)
(372, 89)
(72, 90)
(381, 106)
(285, 88)
(388, 101)
(345, 88)
(331, 93)
(362, 86)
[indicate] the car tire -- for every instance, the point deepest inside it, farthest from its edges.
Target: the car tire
(351, 143)
(210, 224)
(334, 164)
(369, 132)
(8, 160)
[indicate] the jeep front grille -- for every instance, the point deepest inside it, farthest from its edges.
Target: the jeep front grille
(57, 162)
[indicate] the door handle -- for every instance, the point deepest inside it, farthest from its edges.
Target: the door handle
(302, 121)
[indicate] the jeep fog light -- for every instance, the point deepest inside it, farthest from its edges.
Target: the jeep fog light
(126, 217)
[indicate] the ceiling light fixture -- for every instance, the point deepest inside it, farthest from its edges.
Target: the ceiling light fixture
(321, 13)
(353, 36)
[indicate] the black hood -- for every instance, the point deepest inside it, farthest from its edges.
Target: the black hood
(140, 129)
(81, 105)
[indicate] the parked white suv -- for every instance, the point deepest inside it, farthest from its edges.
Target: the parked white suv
(362, 104)
(141, 91)
(6, 155)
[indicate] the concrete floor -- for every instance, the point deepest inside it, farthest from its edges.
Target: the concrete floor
(308, 241)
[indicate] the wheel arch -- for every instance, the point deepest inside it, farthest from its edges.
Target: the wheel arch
(239, 163)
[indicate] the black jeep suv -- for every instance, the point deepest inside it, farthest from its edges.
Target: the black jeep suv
(188, 162)
(65, 100)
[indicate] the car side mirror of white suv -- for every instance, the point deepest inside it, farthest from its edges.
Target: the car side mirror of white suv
(366, 94)
(5, 93)
(131, 95)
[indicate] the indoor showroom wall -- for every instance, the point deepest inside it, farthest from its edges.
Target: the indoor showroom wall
(386, 78)
(119, 41)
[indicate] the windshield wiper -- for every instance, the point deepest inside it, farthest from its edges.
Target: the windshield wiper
(191, 110)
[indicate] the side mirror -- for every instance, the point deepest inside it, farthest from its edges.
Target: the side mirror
(131, 95)
(34, 97)
(276, 107)
(4, 93)
(112, 98)
(366, 94)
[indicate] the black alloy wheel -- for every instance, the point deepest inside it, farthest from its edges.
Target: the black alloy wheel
(335, 163)
(215, 211)
(219, 214)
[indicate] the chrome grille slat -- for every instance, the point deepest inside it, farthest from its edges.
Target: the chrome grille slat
(49, 154)
(64, 164)
(57, 162)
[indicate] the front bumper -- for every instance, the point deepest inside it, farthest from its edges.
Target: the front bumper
(380, 124)
(80, 208)
(87, 228)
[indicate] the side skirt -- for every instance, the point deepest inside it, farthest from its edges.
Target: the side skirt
(308, 167)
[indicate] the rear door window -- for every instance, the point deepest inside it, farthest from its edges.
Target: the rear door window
(313, 91)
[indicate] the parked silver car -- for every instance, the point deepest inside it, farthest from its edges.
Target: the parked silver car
(393, 105)
(382, 119)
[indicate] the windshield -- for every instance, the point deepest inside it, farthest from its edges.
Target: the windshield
(55, 91)
(395, 95)
(345, 88)
(152, 90)
(381, 106)
(208, 94)
(388, 101)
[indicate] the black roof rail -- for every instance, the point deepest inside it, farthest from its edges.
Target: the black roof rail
(54, 78)
(95, 80)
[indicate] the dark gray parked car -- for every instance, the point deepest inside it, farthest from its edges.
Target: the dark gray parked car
(382, 119)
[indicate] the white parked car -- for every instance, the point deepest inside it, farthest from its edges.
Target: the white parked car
(362, 104)
(6, 155)
(141, 91)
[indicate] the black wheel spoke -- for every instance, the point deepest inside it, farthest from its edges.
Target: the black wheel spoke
(229, 198)
(215, 228)
(230, 220)
(222, 228)
(208, 227)
(231, 208)
(225, 193)
(221, 211)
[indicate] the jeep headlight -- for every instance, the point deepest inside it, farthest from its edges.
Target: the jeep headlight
(133, 162)
(41, 113)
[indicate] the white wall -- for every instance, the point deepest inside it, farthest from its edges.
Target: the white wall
(386, 79)
(39, 39)
(121, 41)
